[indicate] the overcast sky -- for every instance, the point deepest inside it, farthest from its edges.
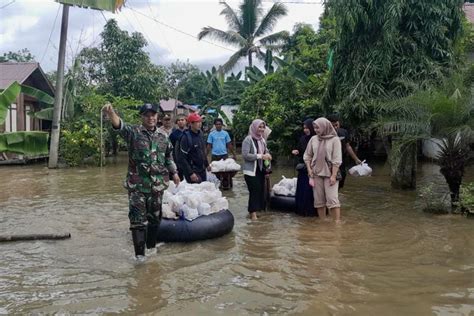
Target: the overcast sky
(30, 24)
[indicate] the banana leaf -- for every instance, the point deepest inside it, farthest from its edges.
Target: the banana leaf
(7, 97)
(109, 5)
(44, 114)
(26, 143)
(38, 94)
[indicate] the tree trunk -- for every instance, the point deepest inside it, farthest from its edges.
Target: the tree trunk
(403, 165)
(250, 59)
(33, 237)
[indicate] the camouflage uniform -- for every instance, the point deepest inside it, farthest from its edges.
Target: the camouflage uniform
(150, 163)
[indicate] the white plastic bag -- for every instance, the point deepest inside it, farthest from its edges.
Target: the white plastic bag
(212, 178)
(189, 213)
(361, 170)
(204, 209)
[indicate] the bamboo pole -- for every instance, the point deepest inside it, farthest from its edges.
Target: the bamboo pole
(9, 238)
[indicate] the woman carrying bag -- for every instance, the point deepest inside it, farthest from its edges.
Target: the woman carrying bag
(323, 156)
(256, 159)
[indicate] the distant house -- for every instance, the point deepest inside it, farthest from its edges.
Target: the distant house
(174, 107)
(468, 9)
(30, 74)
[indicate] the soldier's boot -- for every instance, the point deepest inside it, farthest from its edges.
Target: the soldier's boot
(139, 239)
(151, 235)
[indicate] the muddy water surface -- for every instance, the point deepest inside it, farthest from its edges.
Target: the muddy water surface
(387, 258)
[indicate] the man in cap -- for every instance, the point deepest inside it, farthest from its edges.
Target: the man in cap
(191, 151)
(150, 165)
(347, 150)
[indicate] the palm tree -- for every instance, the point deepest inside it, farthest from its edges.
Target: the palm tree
(246, 28)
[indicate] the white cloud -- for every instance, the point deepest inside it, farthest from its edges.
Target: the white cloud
(28, 23)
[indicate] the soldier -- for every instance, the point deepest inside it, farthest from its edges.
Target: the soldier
(150, 165)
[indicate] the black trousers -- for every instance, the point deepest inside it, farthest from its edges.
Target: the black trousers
(256, 187)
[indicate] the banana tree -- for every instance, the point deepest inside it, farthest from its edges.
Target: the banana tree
(221, 90)
(31, 143)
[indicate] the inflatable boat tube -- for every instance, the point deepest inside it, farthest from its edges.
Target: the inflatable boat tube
(204, 227)
(282, 203)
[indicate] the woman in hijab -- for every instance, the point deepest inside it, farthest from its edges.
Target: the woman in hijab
(304, 192)
(256, 157)
(323, 156)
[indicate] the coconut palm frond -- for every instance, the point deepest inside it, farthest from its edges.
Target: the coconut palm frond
(277, 11)
(250, 11)
(228, 37)
(232, 61)
(231, 17)
(275, 38)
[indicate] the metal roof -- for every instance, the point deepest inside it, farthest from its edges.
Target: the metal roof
(169, 105)
(469, 11)
(14, 71)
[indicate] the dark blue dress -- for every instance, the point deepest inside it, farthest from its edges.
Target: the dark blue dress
(304, 192)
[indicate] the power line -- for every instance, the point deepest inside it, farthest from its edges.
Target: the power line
(50, 34)
(6, 5)
(180, 31)
(162, 33)
(146, 36)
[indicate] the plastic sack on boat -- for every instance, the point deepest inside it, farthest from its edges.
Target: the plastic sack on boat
(204, 209)
(286, 187)
(360, 170)
(168, 212)
(189, 213)
(220, 204)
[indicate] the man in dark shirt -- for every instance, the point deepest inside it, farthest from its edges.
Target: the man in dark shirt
(176, 134)
(190, 151)
(344, 136)
(179, 129)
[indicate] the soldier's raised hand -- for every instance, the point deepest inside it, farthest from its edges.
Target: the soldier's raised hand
(108, 109)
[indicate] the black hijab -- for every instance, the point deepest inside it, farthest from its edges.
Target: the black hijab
(304, 139)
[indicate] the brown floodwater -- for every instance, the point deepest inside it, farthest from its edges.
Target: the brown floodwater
(387, 258)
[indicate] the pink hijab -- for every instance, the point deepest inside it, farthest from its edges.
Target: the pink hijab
(253, 131)
(326, 131)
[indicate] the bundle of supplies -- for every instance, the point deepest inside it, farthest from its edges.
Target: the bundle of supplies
(190, 201)
(360, 170)
(285, 187)
(224, 165)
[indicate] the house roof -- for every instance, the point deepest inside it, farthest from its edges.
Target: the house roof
(169, 105)
(29, 73)
(469, 11)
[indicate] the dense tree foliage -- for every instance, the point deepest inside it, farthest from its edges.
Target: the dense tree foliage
(23, 55)
(121, 67)
(388, 49)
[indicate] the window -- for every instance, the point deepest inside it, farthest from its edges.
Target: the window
(10, 120)
(27, 118)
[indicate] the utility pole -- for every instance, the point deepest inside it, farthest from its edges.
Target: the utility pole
(55, 131)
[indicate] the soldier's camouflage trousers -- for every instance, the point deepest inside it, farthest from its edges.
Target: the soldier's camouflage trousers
(144, 208)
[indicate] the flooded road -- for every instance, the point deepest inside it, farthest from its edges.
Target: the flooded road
(387, 258)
